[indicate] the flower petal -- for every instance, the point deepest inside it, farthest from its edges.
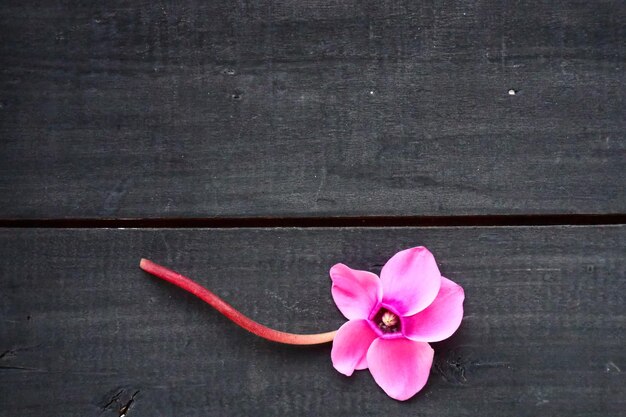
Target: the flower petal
(440, 319)
(350, 346)
(410, 280)
(400, 366)
(355, 292)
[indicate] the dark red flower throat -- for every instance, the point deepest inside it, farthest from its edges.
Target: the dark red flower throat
(387, 321)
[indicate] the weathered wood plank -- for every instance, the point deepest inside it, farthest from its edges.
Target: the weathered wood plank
(298, 108)
(82, 329)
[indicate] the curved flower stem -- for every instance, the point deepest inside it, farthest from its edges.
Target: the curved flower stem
(230, 312)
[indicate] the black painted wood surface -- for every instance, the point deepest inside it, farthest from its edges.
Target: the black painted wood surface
(84, 332)
(308, 113)
(304, 108)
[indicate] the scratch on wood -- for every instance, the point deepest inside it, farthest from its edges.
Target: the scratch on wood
(526, 269)
(13, 352)
(478, 364)
(113, 399)
(611, 367)
(114, 197)
(19, 368)
(321, 185)
(124, 409)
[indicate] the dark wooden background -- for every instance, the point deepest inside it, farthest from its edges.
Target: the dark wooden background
(252, 145)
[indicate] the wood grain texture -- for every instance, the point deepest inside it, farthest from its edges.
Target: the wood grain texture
(309, 108)
(83, 330)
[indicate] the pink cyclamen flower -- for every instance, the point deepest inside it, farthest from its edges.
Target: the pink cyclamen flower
(391, 319)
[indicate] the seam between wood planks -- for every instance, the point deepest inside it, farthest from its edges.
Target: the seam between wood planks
(305, 222)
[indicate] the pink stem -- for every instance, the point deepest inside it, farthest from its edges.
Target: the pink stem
(230, 312)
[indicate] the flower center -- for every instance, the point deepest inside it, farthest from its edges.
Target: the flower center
(387, 321)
